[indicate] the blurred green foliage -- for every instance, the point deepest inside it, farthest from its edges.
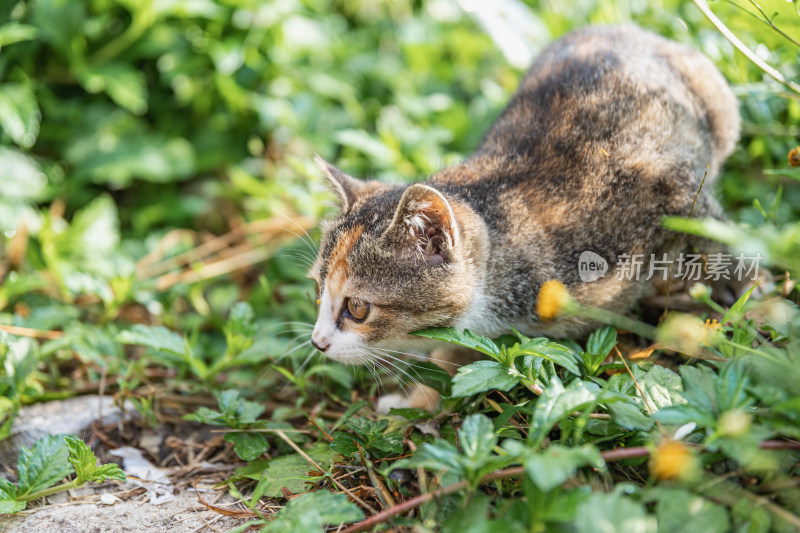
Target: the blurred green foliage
(122, 121)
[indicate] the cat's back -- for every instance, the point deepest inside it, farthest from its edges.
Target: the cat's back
(614, 91)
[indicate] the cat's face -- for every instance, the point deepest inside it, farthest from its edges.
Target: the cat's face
(390, 264)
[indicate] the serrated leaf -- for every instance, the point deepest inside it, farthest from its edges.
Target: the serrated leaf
(629, 416)
(602, 341)
(309, 513)
(464, 338)
(19, 113)
(680, 511)
(438, 456)
(10, 506)
(550, 468)
(290, 471)
(247, 445)
(156, 337)
(345, 443)
(14, 32)
(433, 376)
(551, 351)
(661, 387)
(482, 376)
(558, 402)
(42, 466)
(612, 512)
(236, 409)
(85, 463)
(477, 437)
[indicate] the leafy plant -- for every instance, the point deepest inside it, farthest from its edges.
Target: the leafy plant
(51, 459)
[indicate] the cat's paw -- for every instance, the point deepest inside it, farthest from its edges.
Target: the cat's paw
(392, 401)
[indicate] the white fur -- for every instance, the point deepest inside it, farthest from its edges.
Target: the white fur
(345, 347)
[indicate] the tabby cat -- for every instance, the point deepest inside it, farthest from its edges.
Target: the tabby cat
(611, 129)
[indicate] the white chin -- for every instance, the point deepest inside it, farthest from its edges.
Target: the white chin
(350, 356)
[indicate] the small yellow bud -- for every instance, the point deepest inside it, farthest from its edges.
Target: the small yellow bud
(734, 423)
(673, 460)
(553, 299)
(699, 292)
(794, 156)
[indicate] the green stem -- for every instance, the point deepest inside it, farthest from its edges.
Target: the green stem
(52, 490)
(618, 321)
(140, 23)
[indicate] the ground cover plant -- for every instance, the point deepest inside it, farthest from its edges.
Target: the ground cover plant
(158, 209)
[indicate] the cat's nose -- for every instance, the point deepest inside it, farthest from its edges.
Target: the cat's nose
(323, 345)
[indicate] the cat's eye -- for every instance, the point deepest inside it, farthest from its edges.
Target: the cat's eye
(357, 309)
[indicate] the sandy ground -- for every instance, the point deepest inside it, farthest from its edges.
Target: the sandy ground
(81, 510)
(181, 515)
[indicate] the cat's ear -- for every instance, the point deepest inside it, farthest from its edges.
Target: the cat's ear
(346, 187)
(423, 225)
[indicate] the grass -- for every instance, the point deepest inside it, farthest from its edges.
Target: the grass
(159, 206)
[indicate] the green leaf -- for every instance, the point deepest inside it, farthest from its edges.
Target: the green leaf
(629, 416)
(482, 376)
(477, 437)
(558, 402)
(345, 443)
(156, 337)
(411, 413)
(235, 412)
(550, 468)
(679, 511)
(309, 513)
(247, 445)
(466, 339)
(551, 351)
(439, 455)
(433, 376)
(14, 32)
(612, 512)
(85, 463)
(124, 84)
(42, 466)
(21, 178)
(736, 312)
(289, 471)
(8, 501)
(602, 341)
(661, 387)
(19, 113)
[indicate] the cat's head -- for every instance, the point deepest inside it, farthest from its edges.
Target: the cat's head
(394, 261)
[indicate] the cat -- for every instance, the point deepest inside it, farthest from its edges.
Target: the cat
(611, 129)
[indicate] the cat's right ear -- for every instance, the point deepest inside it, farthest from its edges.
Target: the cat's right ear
(346, 187)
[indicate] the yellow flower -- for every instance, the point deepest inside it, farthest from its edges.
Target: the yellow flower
(794, 157)
(553, 299)
(688, 334)
(673, 460)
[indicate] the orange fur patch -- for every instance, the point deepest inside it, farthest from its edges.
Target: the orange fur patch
(338, 265)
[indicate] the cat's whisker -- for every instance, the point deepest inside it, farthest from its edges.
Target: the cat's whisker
(422, 357)
(308, 240)
(382, 364)
(409, 376)
(373, 370)
(299, 257)
(308, 358)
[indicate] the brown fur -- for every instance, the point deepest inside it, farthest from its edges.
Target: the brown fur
(611, 129)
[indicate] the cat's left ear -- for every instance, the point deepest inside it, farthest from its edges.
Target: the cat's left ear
(346, 187)
(423, 225)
